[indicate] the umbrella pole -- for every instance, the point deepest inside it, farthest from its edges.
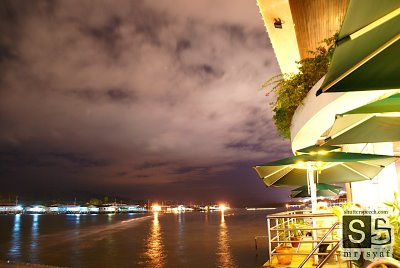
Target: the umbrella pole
(313, 189)
(349, 196)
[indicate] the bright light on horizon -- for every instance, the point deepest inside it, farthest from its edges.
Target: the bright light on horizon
(156, 208)
(223, 207)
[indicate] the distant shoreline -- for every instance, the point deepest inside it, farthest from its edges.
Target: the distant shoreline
(260, 208)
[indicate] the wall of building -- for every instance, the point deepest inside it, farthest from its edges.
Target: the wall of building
(382, 187)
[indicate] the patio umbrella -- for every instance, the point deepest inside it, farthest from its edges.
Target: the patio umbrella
(321, 164)
(323, 189)
(326, 164)
(368, 48)
(359, 125)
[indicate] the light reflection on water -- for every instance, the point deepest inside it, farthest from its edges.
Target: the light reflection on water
(110, 217)
(181, 240)
(34, 237)
(15, 248)
(146, 240)
(155, 253)
(224, 253)
(77, 219)
(75, 247)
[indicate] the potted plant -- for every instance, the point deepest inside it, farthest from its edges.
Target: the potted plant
(295, 236)
(284, 248)
(394, 219)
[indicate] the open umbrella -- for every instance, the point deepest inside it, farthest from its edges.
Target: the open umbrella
(368, 48)
(360, 125)
(323, 189)
(321, 164)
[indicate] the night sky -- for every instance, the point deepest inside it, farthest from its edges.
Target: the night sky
(140, 99)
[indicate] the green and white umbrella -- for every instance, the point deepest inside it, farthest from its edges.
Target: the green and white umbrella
(323, 189)
(368, 48)
(321, 164)
(378, 121)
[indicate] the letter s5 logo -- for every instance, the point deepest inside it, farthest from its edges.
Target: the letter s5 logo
(352, 229)
(356, 231)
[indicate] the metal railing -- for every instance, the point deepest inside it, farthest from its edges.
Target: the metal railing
(333, 251)
(319, 244)
(282, 226)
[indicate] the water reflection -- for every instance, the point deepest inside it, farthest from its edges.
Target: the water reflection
(15, 248)
(110, 217)
(77, 219)
(224, 253)
(181, 239)
(75, 247)
(155, 255)
(34, 237)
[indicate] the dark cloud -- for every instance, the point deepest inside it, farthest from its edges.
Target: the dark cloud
(190, 170)
(136, 97)
(114, 95)
(6, 53)
(236, 32)
(182, 45)
(142, 176)
(34, 159)
(206, 71)
(120, 95)
(243, 145)
(149, 165)
(80, 160)
(107, 35)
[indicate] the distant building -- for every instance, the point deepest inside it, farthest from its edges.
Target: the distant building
(36, 209)
(84, 210)
(69, 209)
(53, 209)
(108, 209)
(93, 209)
(179, 209)
(10, 209)
(131, 208)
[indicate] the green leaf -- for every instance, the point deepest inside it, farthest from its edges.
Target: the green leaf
(290, 89)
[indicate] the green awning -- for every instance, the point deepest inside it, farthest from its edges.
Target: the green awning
(323, 189)
(322, 167)
(336, 167)
(389, 104)
(318, 148)
(374, 129)
(360, 125)
(369, 61)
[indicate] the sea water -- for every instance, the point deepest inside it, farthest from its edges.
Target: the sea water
(194, 239)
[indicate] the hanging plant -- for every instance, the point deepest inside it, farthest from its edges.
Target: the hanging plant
(290, 89)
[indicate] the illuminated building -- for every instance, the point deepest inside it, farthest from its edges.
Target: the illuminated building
(295, 27)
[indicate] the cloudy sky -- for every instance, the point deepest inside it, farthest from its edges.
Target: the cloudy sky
(142, 99)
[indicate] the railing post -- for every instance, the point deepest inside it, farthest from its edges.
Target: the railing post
(269, 240)
(317, 245)
(337, 245)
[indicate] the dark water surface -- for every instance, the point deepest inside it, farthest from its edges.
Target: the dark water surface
(136, 240)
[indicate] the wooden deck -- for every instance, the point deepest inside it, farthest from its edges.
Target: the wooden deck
(297, 259)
